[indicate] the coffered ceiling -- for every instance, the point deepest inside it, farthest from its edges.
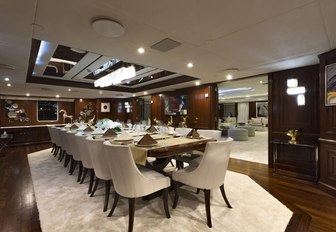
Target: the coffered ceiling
(256, 37)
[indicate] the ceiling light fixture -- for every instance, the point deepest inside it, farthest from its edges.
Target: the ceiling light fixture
(197, 83)
(100, 92)
(62, 61)
(6, 79)
(190, 65)
(27, 94)
(69, 90)
(141, 50)
(9, 84)
(145, 93)
(108, 27)
(230, 73)
(57, 96)
(116, 77)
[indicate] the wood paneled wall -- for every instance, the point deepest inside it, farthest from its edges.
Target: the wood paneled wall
(202, 111)
(30, 107)
(284, 113)
(327, 153)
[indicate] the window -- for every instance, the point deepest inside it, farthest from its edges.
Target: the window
(47, 111)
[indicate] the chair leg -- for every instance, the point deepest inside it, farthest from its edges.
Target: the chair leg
(80, 170)
(116, 198)
(62, 155)
(207, 206)
(175, 185)
(84, 175)
(197, 191)
(224, 196)
(91, 181)
(131, 209)
(95, 187)
(107, 193)
(165, 201)
(72, 166)
(53, 148)
(67, 160)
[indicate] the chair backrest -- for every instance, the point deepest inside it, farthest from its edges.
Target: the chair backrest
(95, 149)
(211, 171)
(64, 141)
(71, 146)
(215, 134)
(182, 130)
(127, 179)
(79, 143)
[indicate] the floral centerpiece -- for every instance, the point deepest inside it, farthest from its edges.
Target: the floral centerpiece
(107, 123)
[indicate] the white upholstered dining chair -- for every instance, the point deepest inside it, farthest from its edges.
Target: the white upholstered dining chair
(79, 146)
(132, 182)
(208, 174)
(101, 169)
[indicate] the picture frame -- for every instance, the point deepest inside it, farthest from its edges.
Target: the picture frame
(262, 109)
(330, 84)
(105, 107)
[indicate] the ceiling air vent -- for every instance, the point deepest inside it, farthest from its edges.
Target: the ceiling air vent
(165, 45)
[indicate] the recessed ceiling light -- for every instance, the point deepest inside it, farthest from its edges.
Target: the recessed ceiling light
(160, 95)
(27, 94)
(69, 90)
(151, 77)
(197, 83)
(229, 77)
(261, 82)
(100, 92)
(81, 100)
(133, 95)
(230, 73)
(108, 27)
(6, 79)
(9, 85)
(145, 93)
(57, 96)
(190, 65)
(141, 50)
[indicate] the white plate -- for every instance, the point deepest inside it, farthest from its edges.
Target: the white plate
(122, 140)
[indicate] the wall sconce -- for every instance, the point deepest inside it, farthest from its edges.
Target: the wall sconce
(296, 90)
(206, 95)
(291, 83)
(301, 100)
(151, 101)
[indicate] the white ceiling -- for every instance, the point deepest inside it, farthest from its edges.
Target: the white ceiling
(255, 36)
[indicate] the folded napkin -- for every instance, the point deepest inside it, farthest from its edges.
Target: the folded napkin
(147, 140)
(73, 127)
(109, 133)
(193, 134)
(151, 129)
(88, 129)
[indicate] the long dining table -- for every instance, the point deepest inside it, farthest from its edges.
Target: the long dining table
(166, 149)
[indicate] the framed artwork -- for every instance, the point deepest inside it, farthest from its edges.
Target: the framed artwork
(262, 109)
(105, 107)
(330, 84)
(175, 105)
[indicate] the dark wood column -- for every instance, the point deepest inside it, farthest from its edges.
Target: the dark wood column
(327, 153)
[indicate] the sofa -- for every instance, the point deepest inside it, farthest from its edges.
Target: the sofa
(260, 124)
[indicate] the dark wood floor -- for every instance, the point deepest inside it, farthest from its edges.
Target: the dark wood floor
(313, 209)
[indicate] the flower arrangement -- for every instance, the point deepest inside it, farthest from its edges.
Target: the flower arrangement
(107, 123)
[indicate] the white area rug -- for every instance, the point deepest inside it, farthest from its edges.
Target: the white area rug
(64, 205)
(254, 150)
